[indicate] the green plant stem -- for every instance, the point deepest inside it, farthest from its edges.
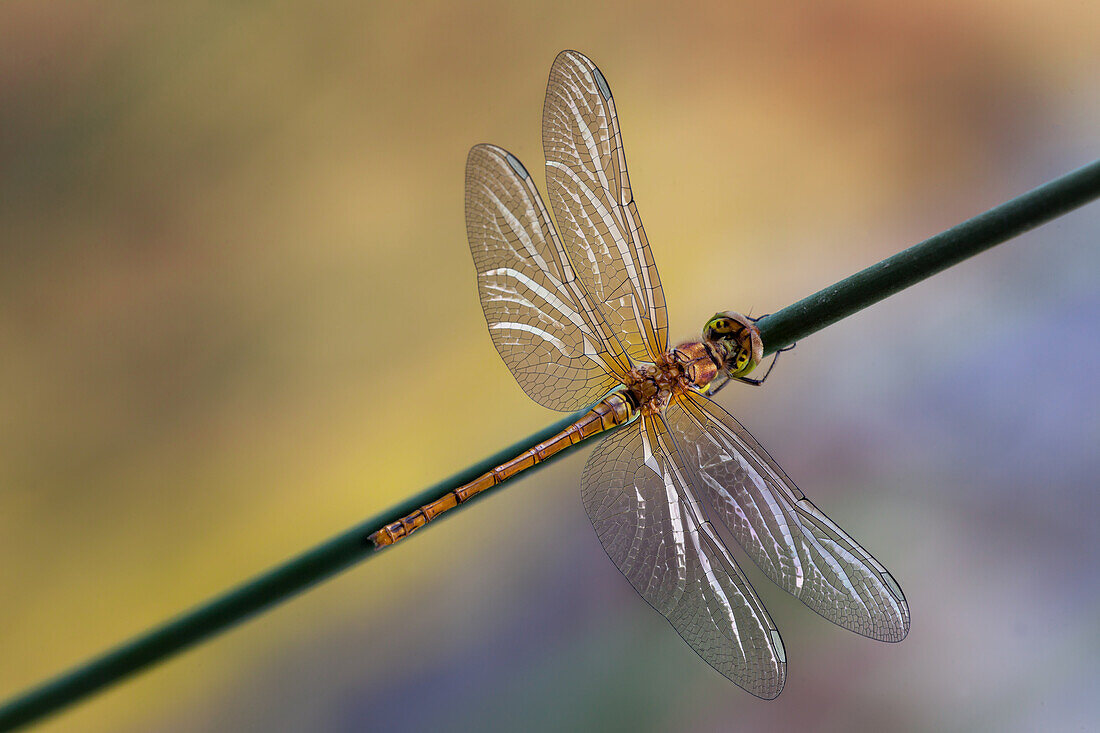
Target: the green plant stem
(778, 330)
(935, 254)
(273, 586)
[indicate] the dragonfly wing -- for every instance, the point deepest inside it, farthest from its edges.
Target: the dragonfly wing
(590, 195)
(540, 320)
(640, 504)
(789, 538)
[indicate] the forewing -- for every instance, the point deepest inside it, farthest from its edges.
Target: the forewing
(590, 195)
(636, 495)
(791, 540)
(542, 324)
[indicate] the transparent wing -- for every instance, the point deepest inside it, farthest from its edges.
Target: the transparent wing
(542, 324)
(591, 198)
(791, 540)
(636, 495)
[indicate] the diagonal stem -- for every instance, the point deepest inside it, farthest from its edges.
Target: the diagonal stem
(778, 330)
(935, 254)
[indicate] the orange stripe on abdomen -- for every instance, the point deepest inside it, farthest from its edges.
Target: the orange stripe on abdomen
(615, 409)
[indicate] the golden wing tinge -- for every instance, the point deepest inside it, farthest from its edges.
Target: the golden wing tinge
(541, 322)
(642, 509)
(789, 538)
(590, 196)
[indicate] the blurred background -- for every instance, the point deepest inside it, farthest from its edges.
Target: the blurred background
(222, 226)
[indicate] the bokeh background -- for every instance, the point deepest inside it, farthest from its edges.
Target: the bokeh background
(229, 234)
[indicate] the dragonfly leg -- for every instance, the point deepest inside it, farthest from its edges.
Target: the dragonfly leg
(775, 357)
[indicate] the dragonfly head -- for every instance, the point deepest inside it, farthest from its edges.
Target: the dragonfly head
(736, 340)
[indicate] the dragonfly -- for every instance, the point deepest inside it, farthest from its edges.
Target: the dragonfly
(578, 315)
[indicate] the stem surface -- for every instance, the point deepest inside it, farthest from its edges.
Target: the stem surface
(935, 254)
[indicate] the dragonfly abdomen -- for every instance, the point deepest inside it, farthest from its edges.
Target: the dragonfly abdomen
(615, 409)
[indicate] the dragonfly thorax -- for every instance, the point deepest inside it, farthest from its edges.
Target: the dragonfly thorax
(688, 366)
(653, 385)
(700, 363)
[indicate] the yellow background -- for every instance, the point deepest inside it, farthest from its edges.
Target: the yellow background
(238, 314)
